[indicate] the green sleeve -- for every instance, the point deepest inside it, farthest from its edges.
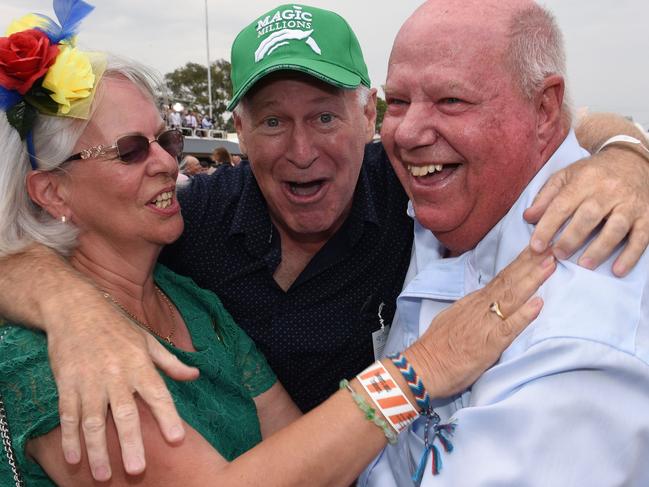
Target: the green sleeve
(256, 374)
(29, 392)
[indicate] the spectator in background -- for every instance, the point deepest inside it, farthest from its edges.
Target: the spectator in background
(190, 121)
(236, 160)
(174, 120)
(221, 155)
(207, 123)
(191, 166)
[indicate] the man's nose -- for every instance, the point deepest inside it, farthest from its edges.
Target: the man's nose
(302, 150)
(416, 128)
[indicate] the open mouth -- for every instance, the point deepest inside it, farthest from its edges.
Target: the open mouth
(306, 189)
(163, 200)
(432, 171)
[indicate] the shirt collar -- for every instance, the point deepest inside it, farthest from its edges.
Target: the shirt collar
(251, 217)
(446, 278)
(494, 252)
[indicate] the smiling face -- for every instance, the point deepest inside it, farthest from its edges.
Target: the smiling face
(305, 141)
(123, 204)
(458, 130)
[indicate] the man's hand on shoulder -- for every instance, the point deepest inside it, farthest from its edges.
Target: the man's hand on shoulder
(101, 361)
(98, 358)
(612, 187)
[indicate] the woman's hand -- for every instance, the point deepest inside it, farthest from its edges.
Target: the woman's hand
(467, 338)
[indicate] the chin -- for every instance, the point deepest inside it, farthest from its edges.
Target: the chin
(313, 229)
(437, 219)
(172, 234)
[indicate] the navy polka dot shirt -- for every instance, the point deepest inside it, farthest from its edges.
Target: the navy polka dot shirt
(320, 330)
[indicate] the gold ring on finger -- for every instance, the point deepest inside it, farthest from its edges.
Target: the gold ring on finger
(495, 308)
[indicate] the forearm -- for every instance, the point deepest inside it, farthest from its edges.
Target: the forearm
(330, 445)
(594, 129)
(37, 284)
(275, 409)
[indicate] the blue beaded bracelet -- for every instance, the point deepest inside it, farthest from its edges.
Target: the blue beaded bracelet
(414, 382)
(433, 429)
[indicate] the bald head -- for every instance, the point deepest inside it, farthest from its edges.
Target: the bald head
(491, 16)
(470, 11)
(192, 166)
(524, 33)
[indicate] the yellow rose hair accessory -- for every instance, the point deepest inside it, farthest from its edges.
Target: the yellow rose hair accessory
(26, 22)
(70, 78)
(42, 71)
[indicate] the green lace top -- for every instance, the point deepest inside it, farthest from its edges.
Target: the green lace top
(218, 404)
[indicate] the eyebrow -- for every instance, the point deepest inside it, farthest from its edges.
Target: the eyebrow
(317, 100)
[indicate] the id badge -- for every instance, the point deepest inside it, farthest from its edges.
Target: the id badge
(379, 339)
(380, 336)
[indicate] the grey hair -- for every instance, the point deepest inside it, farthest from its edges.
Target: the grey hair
(536, 51)
(362, 97)
(22, 222)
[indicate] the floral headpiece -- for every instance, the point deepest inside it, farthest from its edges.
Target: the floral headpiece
(41, 70)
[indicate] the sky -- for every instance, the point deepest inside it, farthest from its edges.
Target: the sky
(606, 41)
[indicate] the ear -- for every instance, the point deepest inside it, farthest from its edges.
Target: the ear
(238, 126)
(549, 102)
(46, 189)
(370, 115)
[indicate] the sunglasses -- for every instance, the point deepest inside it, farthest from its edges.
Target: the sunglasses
(135, 148)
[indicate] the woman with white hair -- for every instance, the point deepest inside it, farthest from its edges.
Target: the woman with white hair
(89, 169)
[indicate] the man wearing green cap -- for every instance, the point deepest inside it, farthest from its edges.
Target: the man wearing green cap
(285, 39)
(307, 245)
(316, 243)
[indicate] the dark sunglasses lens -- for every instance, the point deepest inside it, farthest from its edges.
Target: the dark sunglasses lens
(172, 141)
(133, 148)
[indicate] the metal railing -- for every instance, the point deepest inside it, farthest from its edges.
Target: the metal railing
(204, 133)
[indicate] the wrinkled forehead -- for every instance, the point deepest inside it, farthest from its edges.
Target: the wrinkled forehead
(458, 45)
(446, 37)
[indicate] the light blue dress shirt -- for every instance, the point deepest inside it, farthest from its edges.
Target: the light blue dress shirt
(568, 402)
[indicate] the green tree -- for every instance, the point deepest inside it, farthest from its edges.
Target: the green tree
(381, 107)
(188, 85)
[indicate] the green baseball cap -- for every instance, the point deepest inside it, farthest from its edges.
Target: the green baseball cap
(301, 38)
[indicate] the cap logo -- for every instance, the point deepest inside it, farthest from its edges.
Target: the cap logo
(285, 26)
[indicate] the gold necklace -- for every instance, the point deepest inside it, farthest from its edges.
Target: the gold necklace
(144, 324)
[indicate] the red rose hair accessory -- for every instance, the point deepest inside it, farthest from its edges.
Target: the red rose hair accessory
(42, 71)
